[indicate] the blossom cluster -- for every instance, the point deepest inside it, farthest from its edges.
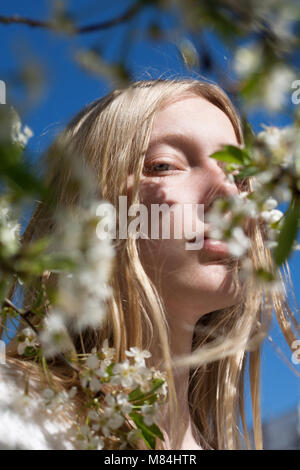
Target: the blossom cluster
(263, 81)
(274, 164)
(240, 208)
(122, 398)
(272, 159)
(132, 394)
(20, 136)
(82, 293)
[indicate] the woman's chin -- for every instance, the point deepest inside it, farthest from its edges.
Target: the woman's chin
(220, 286)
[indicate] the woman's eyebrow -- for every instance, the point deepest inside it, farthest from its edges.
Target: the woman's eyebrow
(183, 142)
(175, 139)
(188, 144)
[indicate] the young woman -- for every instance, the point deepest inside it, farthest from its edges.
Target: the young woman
(152, 142)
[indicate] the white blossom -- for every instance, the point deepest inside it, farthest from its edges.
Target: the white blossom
(265, 176)
(157, 374)
(274, 215)
(271, 216)
(271, 137)
(56, 401)
(282, 193)
(109, 354)
(270, 204)
(91, 376)
(129, 375)
(22, 404)
(240, 204)
(148, 412)
(247, 60)
(119, 402)
(271, 244)
(113, 414)
(115, 419)
(279, 143)
(138, 355)
(83, 295)
(54, 336)
(123, 403)
(87, 439)
(277, 87)
(238, 243)
(27, 338)
(130, 438)
(9, 230)
(93, 415)
(20, 136)
(92, 362)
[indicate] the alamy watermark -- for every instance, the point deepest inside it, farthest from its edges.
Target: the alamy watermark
(296, 353)
(2, 92)
(296, 94)
(162, 221)
(2, 352)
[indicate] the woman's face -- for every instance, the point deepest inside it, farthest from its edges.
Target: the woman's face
(178, 170)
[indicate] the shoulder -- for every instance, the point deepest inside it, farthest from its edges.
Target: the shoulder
(25, 422)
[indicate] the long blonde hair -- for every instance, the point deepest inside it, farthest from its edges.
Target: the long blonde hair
(112, 136)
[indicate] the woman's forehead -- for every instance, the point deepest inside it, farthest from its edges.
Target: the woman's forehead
(192, 116)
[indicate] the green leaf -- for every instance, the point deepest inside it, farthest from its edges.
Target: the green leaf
(245, 173)
(248, 133)
(231, 154)
(287, 234)
(38, 300)
(109, 369)
(37, 266)
(135, 394)
(139, 397)
(156, 431)
(30, 351)
(149, 433)
(10, 312)
(265, 275)
(36, 248)
(20, 174)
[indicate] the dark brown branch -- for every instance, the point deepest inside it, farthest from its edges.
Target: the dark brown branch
(24, 316)
(68, 29)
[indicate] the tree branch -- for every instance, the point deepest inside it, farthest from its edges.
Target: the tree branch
(72, 29)
(24, 316)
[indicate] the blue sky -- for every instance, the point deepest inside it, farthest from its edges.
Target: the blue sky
(68, 88)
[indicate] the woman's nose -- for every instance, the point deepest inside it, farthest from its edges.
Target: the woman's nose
(218, 183)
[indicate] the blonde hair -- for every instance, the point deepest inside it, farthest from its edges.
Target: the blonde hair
(111, 135)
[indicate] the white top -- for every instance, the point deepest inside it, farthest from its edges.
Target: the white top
(29, 427)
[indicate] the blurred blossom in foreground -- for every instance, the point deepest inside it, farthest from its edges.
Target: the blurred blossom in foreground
(9, 230)
(247, 60)
(277, 87)
(20, 136)
(82, 293)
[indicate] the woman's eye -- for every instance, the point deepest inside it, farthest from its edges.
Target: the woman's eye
(159, 167)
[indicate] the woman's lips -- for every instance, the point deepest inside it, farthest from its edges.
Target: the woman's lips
(213, 246)
(216, 246)
(210, 245)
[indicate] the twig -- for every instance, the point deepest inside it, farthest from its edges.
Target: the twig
(24, 316)
(73, 29)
